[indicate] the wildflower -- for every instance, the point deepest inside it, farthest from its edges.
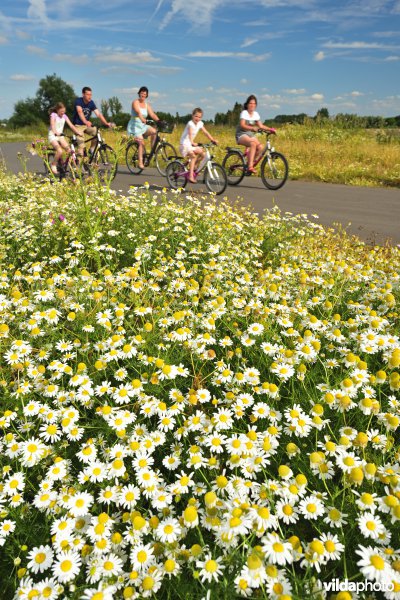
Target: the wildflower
(210, 569)
(40, 559)
(276, 550)
(372, 564)
(66, 566)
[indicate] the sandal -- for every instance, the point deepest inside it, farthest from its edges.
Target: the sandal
(192, 180)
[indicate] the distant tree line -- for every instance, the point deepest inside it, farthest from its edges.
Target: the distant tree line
(52, 89)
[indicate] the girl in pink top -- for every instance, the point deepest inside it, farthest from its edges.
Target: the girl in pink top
(58, 118)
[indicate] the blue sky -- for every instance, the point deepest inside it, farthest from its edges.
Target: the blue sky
(295, 55)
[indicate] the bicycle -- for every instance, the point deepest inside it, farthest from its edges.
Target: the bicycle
(103, 159)
(68, 168)
(274, 168)
(163, 151)
(214, 174)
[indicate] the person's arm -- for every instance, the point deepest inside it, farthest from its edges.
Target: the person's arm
(53, 124)
(247, 127)
(102, 119)
(71, 126)
(82, 116)
(136, 108)
(261, 125)
(191, 137)
(151, 113)
(210, 137)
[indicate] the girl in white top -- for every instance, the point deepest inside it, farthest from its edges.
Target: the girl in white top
(249, 124)
(188, 147)
(58, 118)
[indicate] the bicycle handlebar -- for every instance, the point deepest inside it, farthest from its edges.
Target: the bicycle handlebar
(271, 132)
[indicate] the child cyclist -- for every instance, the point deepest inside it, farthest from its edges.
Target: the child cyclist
(58, 118)
(188, 147)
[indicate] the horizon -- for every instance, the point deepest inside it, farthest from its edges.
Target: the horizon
(296, 56)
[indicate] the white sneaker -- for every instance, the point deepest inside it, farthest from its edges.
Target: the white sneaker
(54, 169)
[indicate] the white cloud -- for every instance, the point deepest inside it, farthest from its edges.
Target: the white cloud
(36, 50)
(356, 94)
(3, 39)
(127, 57)
(22, 77)
(75, 59)
(317, 97)
(318, 56)
(295, 91)
(240, 55)
(199, 14)
(37, 11)
(358, 46)
(392, 58)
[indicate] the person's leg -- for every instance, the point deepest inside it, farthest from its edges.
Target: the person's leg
(259, 151)
(251, 144)
(152, 134)
(91, 131)
(140, 142)
(191, 156)
(57, 155)
(80, 139)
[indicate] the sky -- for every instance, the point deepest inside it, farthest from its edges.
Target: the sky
(296, 56)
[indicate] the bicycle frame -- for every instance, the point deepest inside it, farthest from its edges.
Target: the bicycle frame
(147, 157)
(99, 141)
(267, 148)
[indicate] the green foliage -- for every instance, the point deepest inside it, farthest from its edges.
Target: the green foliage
(52, 89)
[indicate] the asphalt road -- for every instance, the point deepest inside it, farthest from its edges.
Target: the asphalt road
(371, 213)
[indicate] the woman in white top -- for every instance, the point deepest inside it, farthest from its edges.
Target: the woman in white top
(58, 118)
(188, 147)
(249, 124)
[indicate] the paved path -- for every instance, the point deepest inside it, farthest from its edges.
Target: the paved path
(371, 213)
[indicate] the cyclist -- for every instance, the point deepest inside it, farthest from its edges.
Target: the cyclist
(249, 124)
(84, 107)
(58, 118)
(137, 125)
(188, 147)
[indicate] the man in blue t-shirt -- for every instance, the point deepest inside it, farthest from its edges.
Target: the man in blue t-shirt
(81, 119)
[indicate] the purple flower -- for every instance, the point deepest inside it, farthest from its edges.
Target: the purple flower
(61, 217)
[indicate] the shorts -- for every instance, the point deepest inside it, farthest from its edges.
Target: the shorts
(91, 131)
(55, 138)
(185, 149)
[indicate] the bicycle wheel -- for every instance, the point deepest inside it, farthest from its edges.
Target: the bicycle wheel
(176, 175)
(235, 167)
(165, 153)
(274, 171)
(106, 163)
(215, 178)
(132, 158)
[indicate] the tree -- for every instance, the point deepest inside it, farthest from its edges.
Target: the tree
(115, 106)
(53, 89)
(322, 114)
(26, 112)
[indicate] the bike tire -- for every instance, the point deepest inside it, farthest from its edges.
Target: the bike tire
(165, 154)
(105, 163)
(215, 178)
(235, 167)
(132, 157)
(274, 171)
(175, 175)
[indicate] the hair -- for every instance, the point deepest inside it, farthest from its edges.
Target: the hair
(56, 107)
(195, 111)
(86, 89)
(251, 97)
(143, 89)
